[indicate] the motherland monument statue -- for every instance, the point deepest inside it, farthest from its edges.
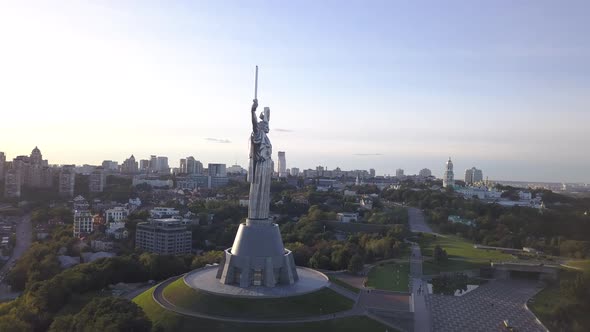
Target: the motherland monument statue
(258, 257)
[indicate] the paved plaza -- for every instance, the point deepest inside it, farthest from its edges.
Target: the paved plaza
(485, 308)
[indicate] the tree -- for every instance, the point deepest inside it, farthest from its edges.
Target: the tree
(356, 264)
(105, 314)
(440, 255)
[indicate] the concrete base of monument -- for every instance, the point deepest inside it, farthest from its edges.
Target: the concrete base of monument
(205, 280)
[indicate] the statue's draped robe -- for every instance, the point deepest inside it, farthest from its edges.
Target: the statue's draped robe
(259, 175)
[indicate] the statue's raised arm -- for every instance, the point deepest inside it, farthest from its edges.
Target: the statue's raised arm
(254, 121)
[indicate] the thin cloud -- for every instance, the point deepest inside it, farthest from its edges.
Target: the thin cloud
(367, 154)
(217, 140)
(284, 130)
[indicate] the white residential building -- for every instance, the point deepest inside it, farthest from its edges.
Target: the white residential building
(347, 217)
(82, 223)
(116, 214)
(163, 212)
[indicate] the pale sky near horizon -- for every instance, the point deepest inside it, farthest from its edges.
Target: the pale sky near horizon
(500, 85)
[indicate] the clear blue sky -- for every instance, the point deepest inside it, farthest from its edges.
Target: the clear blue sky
(500, 85)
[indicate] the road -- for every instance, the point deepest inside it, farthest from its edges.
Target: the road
(422, 319)
(417, 222)
(24, 238)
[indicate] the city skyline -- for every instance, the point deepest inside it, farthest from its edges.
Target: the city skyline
(383, 86)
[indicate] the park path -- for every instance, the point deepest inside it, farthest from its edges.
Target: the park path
(24, 238)
(422, 318)
(417, 222)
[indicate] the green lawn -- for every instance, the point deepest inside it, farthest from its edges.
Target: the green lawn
(323, 301)
(584, 265)
(343, 284)
(171, 322)
(451, 265)
(457, 247)
(543, 304)
(390, 276)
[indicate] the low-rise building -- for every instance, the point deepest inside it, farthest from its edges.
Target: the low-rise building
(347, 217)
(116, 214)
(102, 245)
(163, 212)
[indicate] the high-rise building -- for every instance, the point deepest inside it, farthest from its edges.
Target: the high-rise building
(2, 165)
(130, 166)
(164, 237)
(193, 166)
(110, 166)
(217, 170)
(82, 223)
(294, 171)
(372, 172)
(399, 173)
(12, 184)
(97, 180)
(424, 173)
(34, 172)
(282, 169)
(162, 165)
(67, 178)
(477, 176)
(473, 175)
(144, 165)
(449, 177)
(182, 166)
(469, 176)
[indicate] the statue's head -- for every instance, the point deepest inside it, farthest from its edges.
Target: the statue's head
(263, 125)
(264, 117)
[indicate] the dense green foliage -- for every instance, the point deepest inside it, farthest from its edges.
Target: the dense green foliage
(561, 229)
(105, 314)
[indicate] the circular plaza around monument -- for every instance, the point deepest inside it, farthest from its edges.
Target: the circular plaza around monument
(205, 280)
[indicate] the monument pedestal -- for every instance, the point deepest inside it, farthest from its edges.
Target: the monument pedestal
(258, 257)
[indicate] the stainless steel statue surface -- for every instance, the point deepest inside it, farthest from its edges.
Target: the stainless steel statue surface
(260, 168)
(258, 256)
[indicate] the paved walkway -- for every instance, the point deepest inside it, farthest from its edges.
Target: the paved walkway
(417, 222)
(422, 319)
(484, 308)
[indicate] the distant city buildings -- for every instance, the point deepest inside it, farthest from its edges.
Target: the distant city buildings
(399, 173)
(164, 237)
(473, 175)
(236, 170)
(449, 177)
(282, 165)
(110, 166)
(216, 170)
(372, 172)
(130, 166)
(424, 173)
(67, 179)
(2, 165)
(193, 166)
(97, 180)
(294, 171)
(12, 184)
